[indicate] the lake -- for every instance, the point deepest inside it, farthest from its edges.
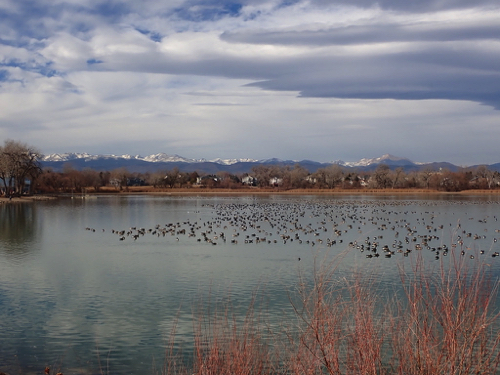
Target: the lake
(94, 285)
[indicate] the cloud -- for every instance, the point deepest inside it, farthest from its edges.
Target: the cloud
(446, 55)
(368, 34)
(404, 75)
(180, 68)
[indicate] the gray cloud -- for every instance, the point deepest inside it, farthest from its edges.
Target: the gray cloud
(205, 78)
(444, 75)
(367, 34)
(443, 71)
(412, 6)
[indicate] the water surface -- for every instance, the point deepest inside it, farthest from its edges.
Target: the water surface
(78, 292)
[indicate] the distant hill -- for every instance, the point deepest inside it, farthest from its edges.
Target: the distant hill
(158, 162)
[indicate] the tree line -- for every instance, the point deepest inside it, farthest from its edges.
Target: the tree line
(272, 176)
(21, 173)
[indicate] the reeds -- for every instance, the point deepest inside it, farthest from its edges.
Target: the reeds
(228, 344)
(441, 321)
(340, 330)
(449, 324)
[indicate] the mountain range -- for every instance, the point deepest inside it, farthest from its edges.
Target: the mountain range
(162, 161)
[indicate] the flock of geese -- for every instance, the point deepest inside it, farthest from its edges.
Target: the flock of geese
(378, 229)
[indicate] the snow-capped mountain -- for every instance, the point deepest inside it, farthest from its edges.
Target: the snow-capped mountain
(232, 161)
(83, 155)
(165, 158)
(162, 161)
(386, 159)
(154, 158)
(65, 156)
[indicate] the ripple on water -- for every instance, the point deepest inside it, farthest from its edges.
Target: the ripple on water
(73, 296)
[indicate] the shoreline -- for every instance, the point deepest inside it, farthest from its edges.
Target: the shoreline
(253, 191)
(27, 198)
(276, 191)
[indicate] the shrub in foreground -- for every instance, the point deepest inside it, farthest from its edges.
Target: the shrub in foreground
(441, 321)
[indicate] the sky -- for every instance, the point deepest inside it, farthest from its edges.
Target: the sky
(321, 80)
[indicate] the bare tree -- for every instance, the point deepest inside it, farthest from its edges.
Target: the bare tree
(75, 178)
(91, 178)
(18, 163)
(104, 177)
(425, 176)
(120, 178)
(381, 176)
(397, 176)
(172, 177)
(157, 179)
(291, 177)
(263, 174)
(330, 176)
(298, 176)
(485, 177)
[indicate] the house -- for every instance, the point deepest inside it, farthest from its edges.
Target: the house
(249, 181)
(276, 181)
(312, 180)
(135, 181)
(209, 178)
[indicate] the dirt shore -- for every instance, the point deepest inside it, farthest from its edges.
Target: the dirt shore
(257, 191)
(30, 198)
(146, 190)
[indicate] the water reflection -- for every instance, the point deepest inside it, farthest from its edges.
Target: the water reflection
(18, 230)
(86, 293)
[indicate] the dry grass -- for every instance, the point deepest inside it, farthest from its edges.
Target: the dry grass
(449, 324)
(341, 329)
(226, 346)
(443, 322)
(224, 343)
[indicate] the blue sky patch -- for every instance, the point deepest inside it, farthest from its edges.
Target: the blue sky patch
(154, 36)
(94, 61)
(111, 9)
(4, 75)
(209, 11)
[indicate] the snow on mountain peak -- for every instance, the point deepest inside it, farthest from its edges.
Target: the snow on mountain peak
(65, 156)
(162, 157)
(154, 158)
(366, 162)
(166, 158)
(231, 161)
